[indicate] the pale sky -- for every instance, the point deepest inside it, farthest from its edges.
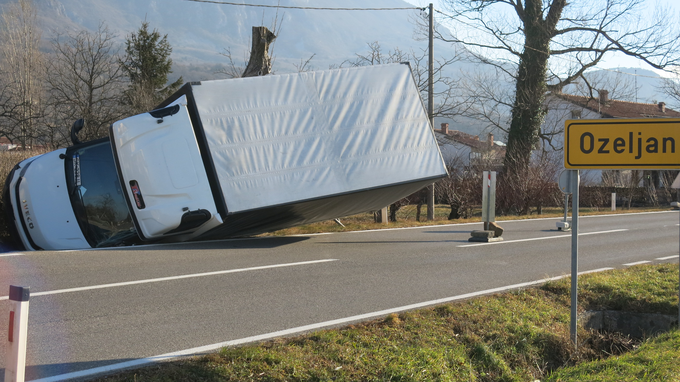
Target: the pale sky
(613, 61)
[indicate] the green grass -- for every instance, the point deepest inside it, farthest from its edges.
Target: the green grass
(655, 360)
(516, 336)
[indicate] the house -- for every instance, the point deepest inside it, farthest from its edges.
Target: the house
(562, 107)
(459, 148)
(7, 145)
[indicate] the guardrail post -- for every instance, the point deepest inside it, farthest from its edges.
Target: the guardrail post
(17, 334)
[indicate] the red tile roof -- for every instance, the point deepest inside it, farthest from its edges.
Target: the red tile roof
(621, 109)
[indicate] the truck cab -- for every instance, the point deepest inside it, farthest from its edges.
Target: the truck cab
(148, 185)
(68, 199)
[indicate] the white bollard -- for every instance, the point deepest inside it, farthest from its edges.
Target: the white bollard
(17, 334)
(613, 201)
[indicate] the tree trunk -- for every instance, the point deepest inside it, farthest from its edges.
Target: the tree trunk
(528, 109)
(260, 63)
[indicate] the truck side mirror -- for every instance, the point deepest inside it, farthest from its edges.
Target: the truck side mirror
(75, 129)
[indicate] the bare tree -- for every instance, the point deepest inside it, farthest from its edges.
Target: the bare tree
(461, 190)
(305, 65)
(233, 70)
(671, 88)
(447, 103)
(23, 70)
(547, 44)
(85, 80)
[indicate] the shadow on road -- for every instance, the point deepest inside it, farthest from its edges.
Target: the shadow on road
(50, 370)
(250, 243)
(449, 232)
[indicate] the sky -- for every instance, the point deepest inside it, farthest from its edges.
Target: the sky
(612, 61)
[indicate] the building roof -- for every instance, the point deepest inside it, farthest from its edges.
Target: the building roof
(470, 140)
(620, 109)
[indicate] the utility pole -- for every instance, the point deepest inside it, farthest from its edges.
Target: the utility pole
(430, 105)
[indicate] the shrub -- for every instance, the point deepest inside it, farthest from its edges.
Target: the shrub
(9, 159)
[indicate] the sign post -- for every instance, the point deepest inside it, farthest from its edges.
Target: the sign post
(604, 144)
(574, 183)
(569, 182)
(676, 185)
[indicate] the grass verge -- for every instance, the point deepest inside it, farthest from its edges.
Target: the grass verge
(516, 336)
(406, 217)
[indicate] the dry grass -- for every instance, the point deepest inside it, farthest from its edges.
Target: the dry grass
(516, 336)
(406, 217)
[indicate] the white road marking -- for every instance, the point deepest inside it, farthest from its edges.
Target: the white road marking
(596, 270)
(331, 233)
(636, 263)
(667, 258)
(171, 278)
(10, 254)
(287, 332)
(540, 238)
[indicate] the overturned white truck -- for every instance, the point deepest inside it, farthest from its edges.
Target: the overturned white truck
(232, 158)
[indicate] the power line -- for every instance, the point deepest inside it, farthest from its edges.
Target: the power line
(306, 8)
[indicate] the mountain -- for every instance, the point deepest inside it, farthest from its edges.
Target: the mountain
(199, 31)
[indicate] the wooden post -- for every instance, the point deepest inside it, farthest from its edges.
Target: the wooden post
(430, 104)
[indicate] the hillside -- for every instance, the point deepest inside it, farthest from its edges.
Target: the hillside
(199, 32)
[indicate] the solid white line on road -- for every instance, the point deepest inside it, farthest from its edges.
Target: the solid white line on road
(540, 238)
(636, 263)
(291, 331)
(667, 258)
(10, 254)
(172, 278)
(503, 221)
(596, 271)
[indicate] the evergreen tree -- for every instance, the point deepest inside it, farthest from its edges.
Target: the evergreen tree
(147, 64)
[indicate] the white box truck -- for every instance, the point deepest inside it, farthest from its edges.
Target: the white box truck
(231, 158)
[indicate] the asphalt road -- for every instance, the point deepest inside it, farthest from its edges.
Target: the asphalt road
(90, 309)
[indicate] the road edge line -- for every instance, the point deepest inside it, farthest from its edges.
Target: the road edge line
(297, 330)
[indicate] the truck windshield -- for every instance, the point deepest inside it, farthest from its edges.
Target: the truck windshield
(96, 196)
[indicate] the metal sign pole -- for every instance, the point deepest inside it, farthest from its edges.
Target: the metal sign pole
(574, 255)
(676, 186)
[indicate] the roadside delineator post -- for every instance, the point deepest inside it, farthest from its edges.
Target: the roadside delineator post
(565, 186)
(17, 334)
(492, 231)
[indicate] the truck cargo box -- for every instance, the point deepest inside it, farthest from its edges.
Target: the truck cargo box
(281, 149)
